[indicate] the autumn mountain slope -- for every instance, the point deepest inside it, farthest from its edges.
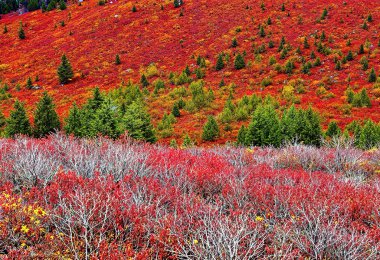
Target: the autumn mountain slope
(172, 38)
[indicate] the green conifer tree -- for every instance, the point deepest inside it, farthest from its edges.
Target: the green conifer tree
(239, 62)
(65, 72)
(45, 117)
(333, 130)
(18, 121)
(219, 63)
(74, 122)
(210, 130)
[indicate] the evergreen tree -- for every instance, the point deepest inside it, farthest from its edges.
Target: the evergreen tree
(43, 6)
(177, 3)
(241, 136)
(372, 76)
(29, 84)
(290, 124)
(306, 43)
(173, 143)
(338, 65)
(33, 5)
(283, 7)
(361, 49)
(74, 122)
(5, 29)
(62, 5)
(219, 63)
(106, 120)
(187, 142)
(175, 110)
(234, 43)
(3, 122)
(65, 72)
(45, 118)
(350, 56)
(264, 129)
(52, 5)
(210, 129)
(262, 31)
(365, 26)
(18, 121)
(134, 9)
(137, 122)
(310, 130)
(21, 33)
(96, 101)
(333, 130)
(350, 95)
(117, 59)
(239, 62)
(324, 14)
(364, 98)
(369, 135)
(144, 81)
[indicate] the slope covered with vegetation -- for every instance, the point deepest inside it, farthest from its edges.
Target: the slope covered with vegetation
(304, 53)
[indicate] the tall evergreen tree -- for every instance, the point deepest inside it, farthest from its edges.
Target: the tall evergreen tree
(33, 5)
(65, 72)
(18, 121)
(137, 122)
(175, 110)
(74, 122)
(264, 129)
(210, 129)
(96, 101)
(310, 128)
(144, 81)
(45, 117)
(241, 136)
(369, 135)
(62, 5)
(106, 120)
(29, 83)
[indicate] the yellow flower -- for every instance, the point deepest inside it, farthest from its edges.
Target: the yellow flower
(51, 237)
(258, 218)
(195, 242)
(23, 245)
(24, 229)
(6, 195)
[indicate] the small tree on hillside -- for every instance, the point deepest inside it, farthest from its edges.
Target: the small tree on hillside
(178, 3)
(219, 63)
(21, 33)
(65, 72)
(372, 76)
(210, 129)
(239, 62)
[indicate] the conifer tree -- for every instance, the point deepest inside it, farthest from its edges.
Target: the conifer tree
(369, 135)
(361, 49)
(96, 101)
(364, 98)
(177, 3)
(5, 30)
(137, 122)
(3, 122)
(175, 110)
(21, 33)
(65, 72)
(372, 76)
(333, 130)
(187, 142)
(241, 136)
(106, 122)
(29, 84)
(117, 59)
(74, 122)
(45, 117)
(62, 5)
(234, 43)
(219, 63)
(210, 129)
(264, 128)
(310, 129)
(306, 43)
(18, 121)
(144, 81)
(33, 5)
(239, 62)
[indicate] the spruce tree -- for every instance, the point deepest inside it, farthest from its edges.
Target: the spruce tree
(310, 127)
(241, 136)
(264, 128)
(18, 121)
(29, 84)
(187, 142)
(364, 98)
(234, 43)
(239, 62)
(175, 110)
(117, 59)
(96, 101)
(361, 49)
(3, 122)
(369, 135)
(74, 122)
(65, 72)
(210, 130)
(106, 120)
(372, 76)
(144, 81)
(33, 5)
(5, 29)
(177, 3)
(333, 130)
(45, 117)
(21, 33)
(137, 122)
(219, 63)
